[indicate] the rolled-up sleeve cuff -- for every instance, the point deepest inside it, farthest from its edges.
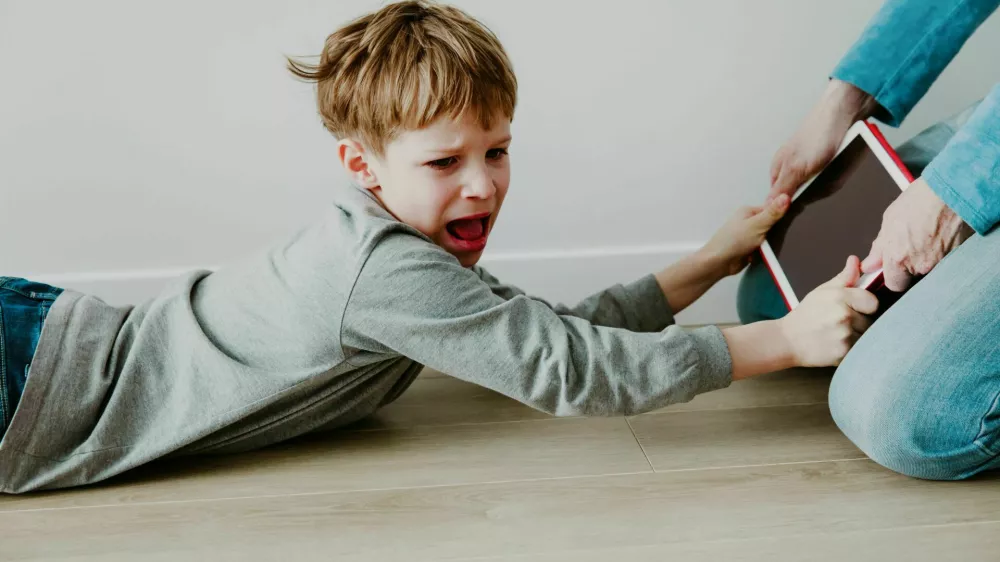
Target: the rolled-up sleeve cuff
(648, 310)
(966, 174)
(717, 363)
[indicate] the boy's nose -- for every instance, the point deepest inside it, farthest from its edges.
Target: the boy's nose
(480, 187)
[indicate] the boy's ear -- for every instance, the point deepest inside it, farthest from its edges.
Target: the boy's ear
(357, 162)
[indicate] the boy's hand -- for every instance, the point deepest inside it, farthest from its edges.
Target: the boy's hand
(734, 243)
(825, 326)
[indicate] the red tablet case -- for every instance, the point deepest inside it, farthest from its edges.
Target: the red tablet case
(877, 283)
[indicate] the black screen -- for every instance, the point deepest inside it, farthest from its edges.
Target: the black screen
(837, 215)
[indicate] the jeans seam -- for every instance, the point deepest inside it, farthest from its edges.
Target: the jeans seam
(979, 441)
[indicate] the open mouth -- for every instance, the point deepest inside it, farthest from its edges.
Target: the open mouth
(469, 233)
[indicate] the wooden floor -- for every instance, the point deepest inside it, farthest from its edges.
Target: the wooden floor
(454, 472)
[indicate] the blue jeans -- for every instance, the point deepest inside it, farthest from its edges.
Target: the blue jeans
(920, 391)
(23, 307)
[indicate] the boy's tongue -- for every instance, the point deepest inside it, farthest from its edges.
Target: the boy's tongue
(467, 229)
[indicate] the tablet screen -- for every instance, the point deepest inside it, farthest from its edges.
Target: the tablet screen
(837, 215)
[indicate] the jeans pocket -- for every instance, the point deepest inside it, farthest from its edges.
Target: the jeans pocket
(32, 290)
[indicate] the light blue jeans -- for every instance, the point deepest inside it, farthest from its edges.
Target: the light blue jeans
(920, 391)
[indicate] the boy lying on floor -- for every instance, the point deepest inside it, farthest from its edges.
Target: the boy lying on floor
(326, 327)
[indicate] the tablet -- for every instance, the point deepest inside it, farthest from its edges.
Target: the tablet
(835, 214)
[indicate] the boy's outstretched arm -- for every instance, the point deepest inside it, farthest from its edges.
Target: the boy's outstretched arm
(687, 280)
(413, 299)
(758, 348)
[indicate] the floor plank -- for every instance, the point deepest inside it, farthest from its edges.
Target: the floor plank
(507, 519)
(358, 460)
(751, 436)
(785, 388)
(971, 542)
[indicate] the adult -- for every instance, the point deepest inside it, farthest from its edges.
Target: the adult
(920, 391)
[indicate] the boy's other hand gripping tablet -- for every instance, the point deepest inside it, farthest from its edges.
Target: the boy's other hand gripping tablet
(743, 233)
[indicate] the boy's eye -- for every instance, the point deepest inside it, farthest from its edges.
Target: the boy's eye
(442, 163)
(496, 153)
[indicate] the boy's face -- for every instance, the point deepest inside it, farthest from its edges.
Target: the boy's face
(447, 180)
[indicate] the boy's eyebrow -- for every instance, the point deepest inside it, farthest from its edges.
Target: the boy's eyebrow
(457, 147)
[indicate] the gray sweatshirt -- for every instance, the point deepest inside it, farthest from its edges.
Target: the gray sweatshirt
(319, 331)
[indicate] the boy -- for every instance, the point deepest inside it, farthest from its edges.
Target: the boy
(322, 329)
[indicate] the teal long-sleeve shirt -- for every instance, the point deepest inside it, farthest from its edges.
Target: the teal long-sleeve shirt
(898, 57)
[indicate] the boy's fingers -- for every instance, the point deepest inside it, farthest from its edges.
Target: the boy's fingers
(848, 276)
(860, 323)
(862, 301)
(773, 211)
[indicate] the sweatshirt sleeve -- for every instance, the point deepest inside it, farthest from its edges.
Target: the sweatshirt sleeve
(413, 299)
(638, 306)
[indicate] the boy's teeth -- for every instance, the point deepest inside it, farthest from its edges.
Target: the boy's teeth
(468, 229)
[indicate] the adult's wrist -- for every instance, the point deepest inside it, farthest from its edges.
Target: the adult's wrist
(848, 102)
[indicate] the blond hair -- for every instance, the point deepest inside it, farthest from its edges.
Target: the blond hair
(404, 66)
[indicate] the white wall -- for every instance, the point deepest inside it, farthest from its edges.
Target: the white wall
(138, 139)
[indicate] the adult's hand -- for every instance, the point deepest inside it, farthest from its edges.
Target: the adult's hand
(816, 141)
(918, 231)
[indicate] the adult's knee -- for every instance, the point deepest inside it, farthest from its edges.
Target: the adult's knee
(902, 420)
